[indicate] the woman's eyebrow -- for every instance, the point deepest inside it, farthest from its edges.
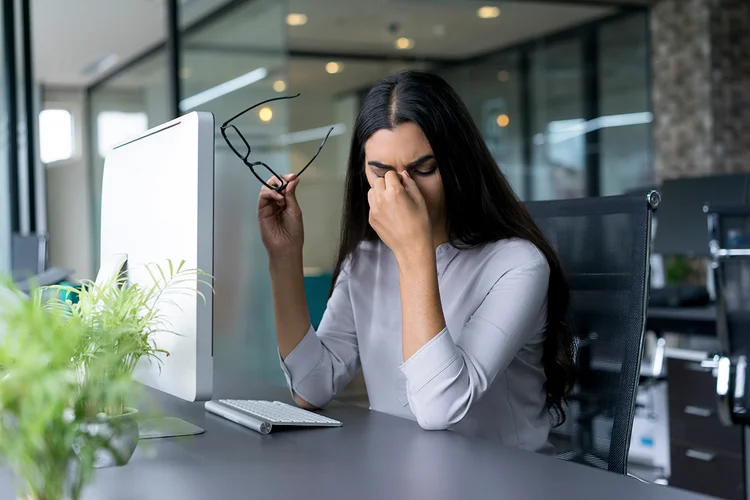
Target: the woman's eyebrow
(413, 164)
(420, 160)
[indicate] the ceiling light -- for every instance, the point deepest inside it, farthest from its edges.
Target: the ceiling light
(279, 85)
(404, 43)
(223, 89)
(503, 76)
(438, 30)
(296, 19)
(100, 65)
(313, 134)
(334, 67)
(503, 120)
(488, 12)
(265, 114)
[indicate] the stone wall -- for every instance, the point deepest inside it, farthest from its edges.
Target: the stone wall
(730, 25)
(701, 87)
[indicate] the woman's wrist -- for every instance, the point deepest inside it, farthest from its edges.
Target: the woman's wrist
(416, 258)
(283, 260)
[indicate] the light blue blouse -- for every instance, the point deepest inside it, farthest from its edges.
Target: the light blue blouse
(482, 375)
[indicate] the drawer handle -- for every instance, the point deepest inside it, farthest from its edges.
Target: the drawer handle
(700, 455)
(698, 411)
(705, 366)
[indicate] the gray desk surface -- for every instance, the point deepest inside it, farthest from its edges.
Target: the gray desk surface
(372, 456)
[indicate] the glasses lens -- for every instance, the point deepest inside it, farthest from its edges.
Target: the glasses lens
(267, 176)
(236, 142)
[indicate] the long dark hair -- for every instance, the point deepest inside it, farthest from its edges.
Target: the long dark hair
(480, 204)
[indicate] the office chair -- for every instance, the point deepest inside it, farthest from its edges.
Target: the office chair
(29, 264)
(28, 255)
(604, 245)
(729, 245)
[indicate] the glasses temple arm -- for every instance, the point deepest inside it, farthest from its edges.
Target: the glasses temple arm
(259, 104)
(320, 148)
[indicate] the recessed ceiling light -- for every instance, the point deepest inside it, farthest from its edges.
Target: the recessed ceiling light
(404, 43)
(503, 76)
(279, 85)
(334, 67)
(488, 12)
(438, 30)
(295, 19)
(265, 114)
(503, 120)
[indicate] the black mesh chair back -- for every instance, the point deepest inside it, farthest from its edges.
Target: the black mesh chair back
(729, 245)
(604, 246)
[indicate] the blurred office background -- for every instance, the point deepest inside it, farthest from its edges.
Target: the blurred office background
(561, 94)
(574, 98)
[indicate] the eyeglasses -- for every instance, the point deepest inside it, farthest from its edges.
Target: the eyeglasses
(237, 143)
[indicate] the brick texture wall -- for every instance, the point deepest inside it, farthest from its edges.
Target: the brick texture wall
(701, 87)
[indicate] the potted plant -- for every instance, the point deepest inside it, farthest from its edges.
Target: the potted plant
(43, 398)
(123, 317)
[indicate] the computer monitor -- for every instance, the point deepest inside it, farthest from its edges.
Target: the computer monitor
(157, 206)
(681, 224)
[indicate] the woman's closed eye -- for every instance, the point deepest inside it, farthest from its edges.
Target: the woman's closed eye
(420, 172)
(423, 167)
(425, 171)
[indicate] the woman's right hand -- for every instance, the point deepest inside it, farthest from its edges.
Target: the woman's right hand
(280, 217)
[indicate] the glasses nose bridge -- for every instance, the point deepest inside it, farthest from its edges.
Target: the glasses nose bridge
(282, 182)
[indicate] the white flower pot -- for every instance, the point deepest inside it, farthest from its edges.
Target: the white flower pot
(121, 435)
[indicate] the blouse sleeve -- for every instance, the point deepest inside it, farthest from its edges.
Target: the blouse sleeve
(325, 361)
(445, 377)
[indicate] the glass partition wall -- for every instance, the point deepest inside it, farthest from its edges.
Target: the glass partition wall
(491, 90)
(231, 64)
(558, 163)
(624, 105)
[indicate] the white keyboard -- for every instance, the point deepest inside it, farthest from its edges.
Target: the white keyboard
(262, 416)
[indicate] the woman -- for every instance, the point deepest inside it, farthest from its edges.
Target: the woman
(445, 292)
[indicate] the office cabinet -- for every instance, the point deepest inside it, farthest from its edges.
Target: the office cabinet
(706, 456)
(708, 472)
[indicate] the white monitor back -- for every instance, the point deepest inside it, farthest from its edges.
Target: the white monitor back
(157, 205)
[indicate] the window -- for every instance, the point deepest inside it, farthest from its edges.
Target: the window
(491, 90)
(557, 99)
(116, 127)
(56, 137)
(625, 135)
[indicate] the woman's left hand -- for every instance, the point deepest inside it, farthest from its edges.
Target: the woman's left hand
(398, 213)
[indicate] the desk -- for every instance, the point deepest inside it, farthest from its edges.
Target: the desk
(684, 320)
(372, 456)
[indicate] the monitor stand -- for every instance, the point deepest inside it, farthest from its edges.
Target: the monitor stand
(166, 427)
